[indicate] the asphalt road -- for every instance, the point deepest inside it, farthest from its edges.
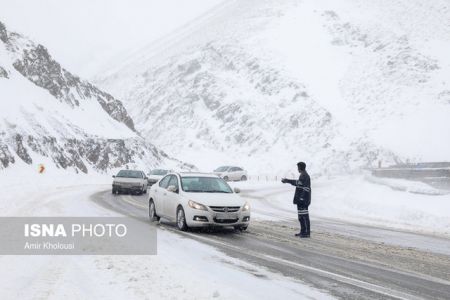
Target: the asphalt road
(349, 261)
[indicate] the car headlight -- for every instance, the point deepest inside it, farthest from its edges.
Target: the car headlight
(195, 205)
(246, 206)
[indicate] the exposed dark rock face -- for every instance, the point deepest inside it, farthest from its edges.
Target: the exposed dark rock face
(3, 33)
(3, 73)
(39, 67)
(35, 63)
(6, 157)
(21, 151)
(100, 154)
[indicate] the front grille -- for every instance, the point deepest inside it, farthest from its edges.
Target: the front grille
(225, 221)
(128, 184)
(225, 208)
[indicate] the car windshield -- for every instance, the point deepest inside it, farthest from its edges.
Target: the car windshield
(221, 169)
(129, 174)
(159, 172)
(204, 185)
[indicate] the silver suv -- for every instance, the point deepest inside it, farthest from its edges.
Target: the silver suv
(129, 181)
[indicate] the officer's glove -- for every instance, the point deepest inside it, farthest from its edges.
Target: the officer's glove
(283, 180)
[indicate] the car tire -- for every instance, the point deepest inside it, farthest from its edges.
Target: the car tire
(152, 212)
(114, 191)
(181, 219)
(225, 178)
(244, 178)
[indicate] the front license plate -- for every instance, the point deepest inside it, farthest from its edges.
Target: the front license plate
(226, 216)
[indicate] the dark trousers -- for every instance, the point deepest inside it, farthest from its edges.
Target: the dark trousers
(303, 217)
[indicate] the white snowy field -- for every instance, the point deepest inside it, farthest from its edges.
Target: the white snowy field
(360, 199)
(182, 269)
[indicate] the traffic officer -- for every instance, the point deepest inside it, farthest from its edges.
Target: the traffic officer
(302, 198)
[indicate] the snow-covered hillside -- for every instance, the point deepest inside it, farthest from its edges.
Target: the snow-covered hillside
(265, 83)
(48, 115)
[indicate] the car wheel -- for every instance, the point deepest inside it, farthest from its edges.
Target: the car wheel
(243, 178)
(181, 219)
(152, 212)
(225, 178)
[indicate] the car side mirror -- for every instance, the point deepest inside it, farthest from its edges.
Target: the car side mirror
(237, 190)
(172, 188)
(146, 178)
(114, 176)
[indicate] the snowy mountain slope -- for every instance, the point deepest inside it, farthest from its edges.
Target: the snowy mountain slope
(341, 84)
(49, 115)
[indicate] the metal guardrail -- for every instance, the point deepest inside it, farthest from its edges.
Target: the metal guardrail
(434, 174)
(411, 172)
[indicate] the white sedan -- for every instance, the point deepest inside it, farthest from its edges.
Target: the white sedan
(197, 200)
(231, 173)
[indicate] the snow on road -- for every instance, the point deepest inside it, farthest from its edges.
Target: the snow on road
(183, 268)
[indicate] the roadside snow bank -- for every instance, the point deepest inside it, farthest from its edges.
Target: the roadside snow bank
(355, 199)
(56, 192)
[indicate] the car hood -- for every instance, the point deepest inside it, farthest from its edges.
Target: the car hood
(125, 179)
(216, 199)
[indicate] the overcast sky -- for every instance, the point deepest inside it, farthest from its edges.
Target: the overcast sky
(84, 34)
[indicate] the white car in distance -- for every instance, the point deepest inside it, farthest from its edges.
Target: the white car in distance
(231, 173)
(155, 175)
(197, 200)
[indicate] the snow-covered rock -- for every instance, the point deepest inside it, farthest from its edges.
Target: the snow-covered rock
(265, 83)
(47, 113)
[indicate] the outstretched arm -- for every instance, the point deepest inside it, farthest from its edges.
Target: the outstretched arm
(291, 181)
(297, 183)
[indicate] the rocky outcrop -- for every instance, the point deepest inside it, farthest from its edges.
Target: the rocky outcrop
(37, 65)
(37, 130)
(80, 154)
(3, 73)
(3, 33)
